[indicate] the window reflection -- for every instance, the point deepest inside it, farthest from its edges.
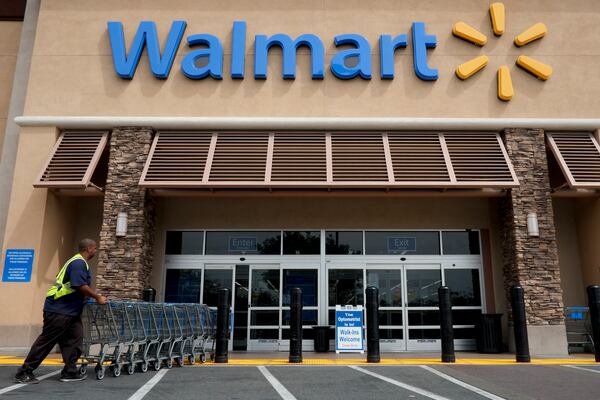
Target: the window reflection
(295, 242)
(183, 286)
(305, 279)
(215, 279)
(464, 286)
(184, 242)
(422, 287)
(344, 243)
(345, 287)
(389, 283)
(465, 242)
(243, 242)
(402, 242)
(265, 288)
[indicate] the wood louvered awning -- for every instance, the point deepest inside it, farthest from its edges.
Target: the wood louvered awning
(578, 156)
(73, 160)
(328, 160)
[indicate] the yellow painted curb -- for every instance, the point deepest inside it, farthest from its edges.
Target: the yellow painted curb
(391, 361)
(413, 361)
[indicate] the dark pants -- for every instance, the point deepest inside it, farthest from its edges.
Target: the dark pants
(64, 330)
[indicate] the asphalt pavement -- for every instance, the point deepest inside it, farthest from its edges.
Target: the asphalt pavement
(351, 382)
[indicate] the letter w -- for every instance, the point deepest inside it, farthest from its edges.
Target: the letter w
(126, 64)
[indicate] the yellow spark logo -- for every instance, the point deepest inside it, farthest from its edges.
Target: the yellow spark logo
(505, 88)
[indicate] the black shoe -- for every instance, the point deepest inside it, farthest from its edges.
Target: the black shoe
(26, 377)
(72, 377)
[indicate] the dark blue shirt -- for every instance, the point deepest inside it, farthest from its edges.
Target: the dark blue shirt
(71, 304)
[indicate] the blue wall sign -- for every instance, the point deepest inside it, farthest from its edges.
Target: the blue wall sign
(242, 244)
(126, 62)
(18, 264)
(401, 245)
(349, 329)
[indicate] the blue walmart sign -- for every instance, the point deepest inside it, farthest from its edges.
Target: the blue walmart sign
(345, 64)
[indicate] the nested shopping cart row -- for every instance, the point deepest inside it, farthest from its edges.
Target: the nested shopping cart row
(139, 335)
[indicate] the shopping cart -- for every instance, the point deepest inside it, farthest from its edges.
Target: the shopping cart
(184, 348)
(204, 331)
(148, 351)
(126, 338)
(126, 335)
(107, 335)
(579, 331)
(208, 320)
(163, 346)
(135, 352)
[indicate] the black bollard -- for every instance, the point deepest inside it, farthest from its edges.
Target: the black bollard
(373, 354)
(520, 324)
(296, 326)
(593, 293)
(222, 345)
(149, 295)
(446, 328)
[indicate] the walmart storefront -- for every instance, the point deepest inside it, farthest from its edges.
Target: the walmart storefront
(328, 146)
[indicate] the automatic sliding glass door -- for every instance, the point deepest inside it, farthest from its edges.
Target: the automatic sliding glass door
(218, 277)
(388, 279)
(264, 307)
(307, 280)
(422, 306)
(269, 307)
(345, 286)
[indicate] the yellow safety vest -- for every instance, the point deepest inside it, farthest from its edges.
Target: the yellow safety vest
(60, 289)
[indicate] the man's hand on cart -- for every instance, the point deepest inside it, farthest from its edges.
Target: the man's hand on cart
(89, 292)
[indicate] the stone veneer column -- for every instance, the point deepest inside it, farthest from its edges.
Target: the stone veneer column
(125, 263)
(532, 262)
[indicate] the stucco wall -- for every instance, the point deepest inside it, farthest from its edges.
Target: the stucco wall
(36, 220)
(10, 33)
(51, 225)
(568, 252)
(588, 232)
(72, 71)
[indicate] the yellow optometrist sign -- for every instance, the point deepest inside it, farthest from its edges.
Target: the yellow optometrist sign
(505, 88)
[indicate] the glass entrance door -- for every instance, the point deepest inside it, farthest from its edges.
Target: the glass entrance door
(264, 307)
(390, 282)
(408, 305)
(218, 277)
(421, 301)
(306, 279)
(269, 305)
